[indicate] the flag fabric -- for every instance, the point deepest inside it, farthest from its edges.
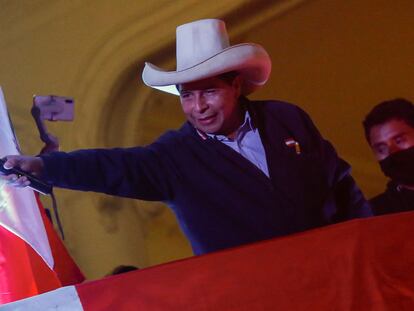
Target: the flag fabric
(26, 258)
(22, 271)
(65, 267)
(364, 264)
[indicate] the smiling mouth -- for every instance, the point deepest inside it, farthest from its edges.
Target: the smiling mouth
(206, 119)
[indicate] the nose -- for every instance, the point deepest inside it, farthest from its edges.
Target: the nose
(199, 104)
(393, 148)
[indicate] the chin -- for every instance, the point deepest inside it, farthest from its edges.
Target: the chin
(209, 129)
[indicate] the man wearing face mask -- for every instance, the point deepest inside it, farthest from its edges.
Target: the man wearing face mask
(389, 129)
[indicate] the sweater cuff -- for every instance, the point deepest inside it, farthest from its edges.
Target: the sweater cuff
(51, 166)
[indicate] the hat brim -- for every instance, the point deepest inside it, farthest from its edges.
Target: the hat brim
(250, 60)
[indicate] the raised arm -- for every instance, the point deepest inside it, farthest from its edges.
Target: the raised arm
(130, 172)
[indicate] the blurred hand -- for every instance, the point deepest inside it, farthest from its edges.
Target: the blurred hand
(30, 164)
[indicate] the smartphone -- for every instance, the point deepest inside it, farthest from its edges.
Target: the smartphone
(54, 108)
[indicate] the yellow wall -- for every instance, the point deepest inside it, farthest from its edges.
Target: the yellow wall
(337, 59)
(334, 58)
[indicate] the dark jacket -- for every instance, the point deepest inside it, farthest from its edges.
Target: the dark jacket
(394, 199)
(220, 198)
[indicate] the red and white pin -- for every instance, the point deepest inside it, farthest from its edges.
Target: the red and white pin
(290, 142)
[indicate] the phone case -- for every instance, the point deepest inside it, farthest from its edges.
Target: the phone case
(54, 108)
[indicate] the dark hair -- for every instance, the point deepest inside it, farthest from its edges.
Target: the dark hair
(227, 77)
(399, 108)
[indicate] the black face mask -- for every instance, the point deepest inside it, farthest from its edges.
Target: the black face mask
(399, 166)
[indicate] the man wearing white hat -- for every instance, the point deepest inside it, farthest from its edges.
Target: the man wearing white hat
(237, 171)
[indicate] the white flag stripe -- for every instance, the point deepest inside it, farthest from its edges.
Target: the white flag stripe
(19, 212)
(62, 299)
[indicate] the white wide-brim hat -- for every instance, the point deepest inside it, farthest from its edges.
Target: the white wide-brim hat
(203, 51)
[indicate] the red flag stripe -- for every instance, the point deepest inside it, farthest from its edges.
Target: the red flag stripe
(23, 273)
(365, 264)
(361, 265)
(65, 267)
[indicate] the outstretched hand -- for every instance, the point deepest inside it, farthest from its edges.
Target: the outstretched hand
(30, 164)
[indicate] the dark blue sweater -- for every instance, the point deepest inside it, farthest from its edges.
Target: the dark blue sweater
(220, 198)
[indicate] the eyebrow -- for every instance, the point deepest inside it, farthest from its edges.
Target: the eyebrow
(399, 135)
(392, 137)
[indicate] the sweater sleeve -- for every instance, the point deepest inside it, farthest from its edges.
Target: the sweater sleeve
(139, 172)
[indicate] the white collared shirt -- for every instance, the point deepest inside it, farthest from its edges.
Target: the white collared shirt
(247, 143)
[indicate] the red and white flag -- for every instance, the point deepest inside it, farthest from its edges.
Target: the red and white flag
(27, 262)
(361, 265)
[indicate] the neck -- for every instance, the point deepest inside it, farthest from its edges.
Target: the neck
(239, 119)
(232, 136)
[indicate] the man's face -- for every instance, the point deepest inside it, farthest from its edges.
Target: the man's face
(390, 137)
(211, 105)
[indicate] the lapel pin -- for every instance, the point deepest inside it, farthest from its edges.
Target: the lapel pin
(290, 142)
